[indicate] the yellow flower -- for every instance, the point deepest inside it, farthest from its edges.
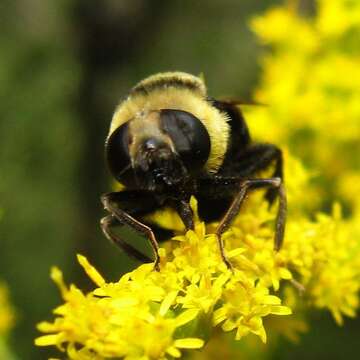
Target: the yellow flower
(311, 81)
(298, 33)
(338, 17)
(326, 256)
(150, 315)
(244, 305)
(119, 324)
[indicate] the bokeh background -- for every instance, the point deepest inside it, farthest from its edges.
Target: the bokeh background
(64, 66)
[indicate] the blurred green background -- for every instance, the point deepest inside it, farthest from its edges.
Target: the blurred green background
(64, 66)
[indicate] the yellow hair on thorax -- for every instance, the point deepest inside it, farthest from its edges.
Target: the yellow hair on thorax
(192, 100)
(197, 84)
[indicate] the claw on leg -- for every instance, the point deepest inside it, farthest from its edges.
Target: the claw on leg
(222, 253)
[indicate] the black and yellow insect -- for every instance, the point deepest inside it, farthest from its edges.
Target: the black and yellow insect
(169, 140)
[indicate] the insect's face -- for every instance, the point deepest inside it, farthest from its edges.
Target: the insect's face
(158, 149)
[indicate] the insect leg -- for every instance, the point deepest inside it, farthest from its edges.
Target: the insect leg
(110, 221)
(111, 202)
(234, 208)
(185, 212)
(259, 157)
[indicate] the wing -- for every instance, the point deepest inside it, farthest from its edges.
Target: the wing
(238, 102)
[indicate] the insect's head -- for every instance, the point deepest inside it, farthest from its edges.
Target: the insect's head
(158, 149)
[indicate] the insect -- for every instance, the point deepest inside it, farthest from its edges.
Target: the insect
(169, 140)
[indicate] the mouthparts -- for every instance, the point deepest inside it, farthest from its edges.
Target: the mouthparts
(156, 166)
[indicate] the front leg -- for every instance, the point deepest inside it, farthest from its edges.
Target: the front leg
(134, 203)
(110, 221)
(185, 212)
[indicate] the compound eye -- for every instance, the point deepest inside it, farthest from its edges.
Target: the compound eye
(117, 152)
(189, 136)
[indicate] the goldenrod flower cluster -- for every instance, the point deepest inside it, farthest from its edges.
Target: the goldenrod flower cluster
(153, 315)
(311, 81)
